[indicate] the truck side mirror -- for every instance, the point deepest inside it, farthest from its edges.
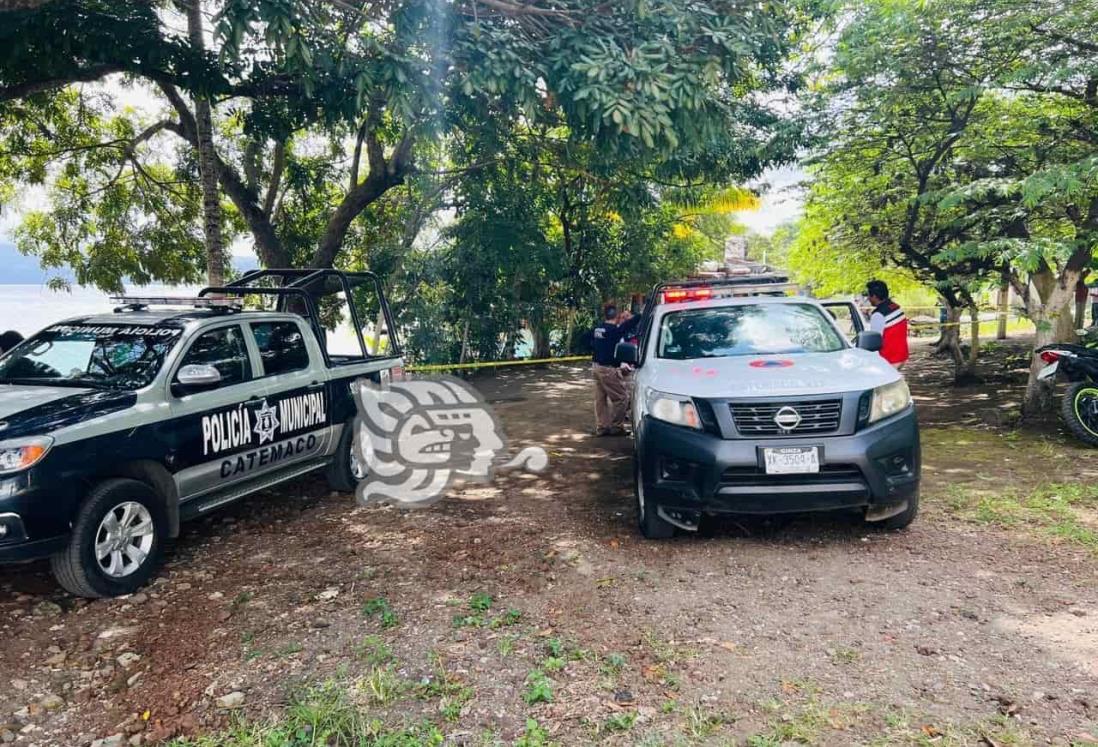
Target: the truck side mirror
(871, 341)
(196, 378)
(626, 352)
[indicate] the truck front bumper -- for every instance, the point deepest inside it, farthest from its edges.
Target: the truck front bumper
(31, 524)
(689, 472)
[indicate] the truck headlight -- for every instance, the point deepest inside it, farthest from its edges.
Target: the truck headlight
(888, 400)
(673, 408)
(22, 453)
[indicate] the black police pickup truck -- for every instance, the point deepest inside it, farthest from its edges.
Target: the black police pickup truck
(115, 428)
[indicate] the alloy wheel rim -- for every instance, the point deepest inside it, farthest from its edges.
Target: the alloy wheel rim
(124, 539)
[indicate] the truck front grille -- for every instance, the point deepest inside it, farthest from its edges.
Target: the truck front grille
(828, 474)
(816, 417)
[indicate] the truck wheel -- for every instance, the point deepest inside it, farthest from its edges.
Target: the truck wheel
(903, 519)
(651, 525)
(346, 469)
(1079, 408)
(117, 541)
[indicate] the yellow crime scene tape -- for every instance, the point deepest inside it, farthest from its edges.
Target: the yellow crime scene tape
(584, 358)
(495, 364)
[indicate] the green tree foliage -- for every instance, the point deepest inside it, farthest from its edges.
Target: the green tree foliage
(669, 84)
(541, 241)
(117, 207)
(960, 149)
(581, 149)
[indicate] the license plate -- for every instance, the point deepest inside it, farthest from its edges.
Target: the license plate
(1048, 371)
(790, 460)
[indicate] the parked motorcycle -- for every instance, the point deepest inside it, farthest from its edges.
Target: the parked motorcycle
(1078, 364)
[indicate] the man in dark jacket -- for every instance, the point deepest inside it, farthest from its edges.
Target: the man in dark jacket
(611, 386)
(9, 340)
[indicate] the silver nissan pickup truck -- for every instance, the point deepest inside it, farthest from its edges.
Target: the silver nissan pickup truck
(748, 400)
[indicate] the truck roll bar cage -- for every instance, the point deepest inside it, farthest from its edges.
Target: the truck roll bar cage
(310, 285)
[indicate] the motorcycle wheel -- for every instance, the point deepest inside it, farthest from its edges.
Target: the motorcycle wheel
(1079, 408)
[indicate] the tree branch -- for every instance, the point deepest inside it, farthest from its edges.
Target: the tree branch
(358, 154)
(276, 177)
(1066, 38)
(29, 88)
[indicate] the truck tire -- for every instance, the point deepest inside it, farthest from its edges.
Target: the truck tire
(903, 519)
(648, 520)
(1079, 408)
(117, 541)
(345, 470)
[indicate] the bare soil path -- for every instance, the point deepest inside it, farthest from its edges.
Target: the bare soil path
(535, 599)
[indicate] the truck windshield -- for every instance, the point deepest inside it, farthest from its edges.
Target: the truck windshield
(759, 329)
(123, 356)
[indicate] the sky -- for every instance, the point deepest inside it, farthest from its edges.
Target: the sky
(782, 200)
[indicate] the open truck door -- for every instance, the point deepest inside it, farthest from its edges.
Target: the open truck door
(848, 316)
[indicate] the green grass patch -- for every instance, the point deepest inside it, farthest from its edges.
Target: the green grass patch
(902, 728)
(374, 651)
(506, 645)
(701, 723)
(379, 607)
(806, 722)
(480, 602)
(449, 688)
(613, 664)
(619, 722)
(383, 685)
(323, 714)
(477, 616)
(533, 736)
(539, 688)
(1057, 510)
(552, 664)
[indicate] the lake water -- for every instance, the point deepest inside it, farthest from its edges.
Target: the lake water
(29, 308)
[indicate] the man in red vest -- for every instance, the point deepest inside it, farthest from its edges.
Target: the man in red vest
(888, 319)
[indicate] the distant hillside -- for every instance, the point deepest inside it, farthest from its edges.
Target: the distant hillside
(18, 269)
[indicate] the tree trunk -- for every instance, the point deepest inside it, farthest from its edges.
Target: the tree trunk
(974, 349)
(1003, 309)
(541, 340)
(384, 175)
(1051, 312)
(950, 341)
(464, 342)
(207, 163)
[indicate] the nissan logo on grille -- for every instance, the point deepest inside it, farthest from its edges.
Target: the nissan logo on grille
(787, 418)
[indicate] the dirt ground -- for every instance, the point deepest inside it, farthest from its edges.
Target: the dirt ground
(531, 609)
